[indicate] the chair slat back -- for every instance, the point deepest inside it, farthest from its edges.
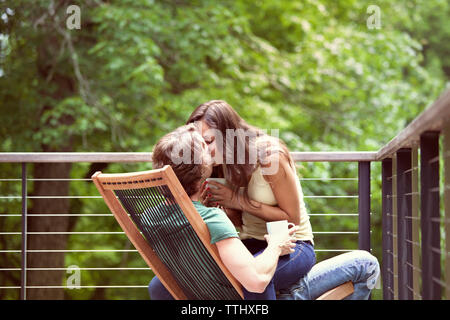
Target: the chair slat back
(152, 206)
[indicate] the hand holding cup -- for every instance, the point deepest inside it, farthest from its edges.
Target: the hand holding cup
(282, 233)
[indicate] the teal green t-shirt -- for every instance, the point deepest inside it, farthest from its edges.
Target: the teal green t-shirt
(219, 225)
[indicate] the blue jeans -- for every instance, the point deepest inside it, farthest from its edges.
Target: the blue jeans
(289, 269)
(157, 290)
(359, 267)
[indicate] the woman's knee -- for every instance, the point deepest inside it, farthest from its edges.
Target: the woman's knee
(370, 266)
(369, 258)
(373, 270)
(361, 256)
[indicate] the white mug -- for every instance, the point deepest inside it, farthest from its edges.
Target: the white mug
(278, 226)
(219, 180)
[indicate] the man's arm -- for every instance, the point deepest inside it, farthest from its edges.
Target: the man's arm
(255, 273)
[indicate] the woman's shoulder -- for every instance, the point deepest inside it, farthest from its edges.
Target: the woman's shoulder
(270, 147)
(266, 141)
(273, 158)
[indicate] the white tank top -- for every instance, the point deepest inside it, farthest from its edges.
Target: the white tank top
(259, 190)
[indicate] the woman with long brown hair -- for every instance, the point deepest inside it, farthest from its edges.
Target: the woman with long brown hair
(262, 186)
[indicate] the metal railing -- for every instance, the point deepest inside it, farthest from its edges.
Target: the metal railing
(416, 261)
(362, 212)
(413, 248)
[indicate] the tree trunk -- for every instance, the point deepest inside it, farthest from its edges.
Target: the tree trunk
(60, 86)
(48, 224)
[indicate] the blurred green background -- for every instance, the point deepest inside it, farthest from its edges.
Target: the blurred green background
(136, 69)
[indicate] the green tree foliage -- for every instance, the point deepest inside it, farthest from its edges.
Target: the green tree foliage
(137, 68)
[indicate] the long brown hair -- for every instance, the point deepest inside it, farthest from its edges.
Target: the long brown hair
(219, 115)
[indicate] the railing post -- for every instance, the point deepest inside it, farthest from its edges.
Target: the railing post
(446, 154)
(387, 270)
(394, 226)
(364, 205)
(430, 219)
(23, 281)
(415, 222)
(404, 225)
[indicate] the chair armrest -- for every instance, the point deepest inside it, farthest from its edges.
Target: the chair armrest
(338, 293)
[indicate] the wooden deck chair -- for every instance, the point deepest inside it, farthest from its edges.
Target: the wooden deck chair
(154, 211)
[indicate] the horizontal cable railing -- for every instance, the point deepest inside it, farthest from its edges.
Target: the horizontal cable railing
(26, 253)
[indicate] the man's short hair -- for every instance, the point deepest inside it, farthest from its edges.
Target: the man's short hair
(170, 150)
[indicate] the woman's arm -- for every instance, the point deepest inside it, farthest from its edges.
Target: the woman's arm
(284, 187)
(254, 273)
(283, 184)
